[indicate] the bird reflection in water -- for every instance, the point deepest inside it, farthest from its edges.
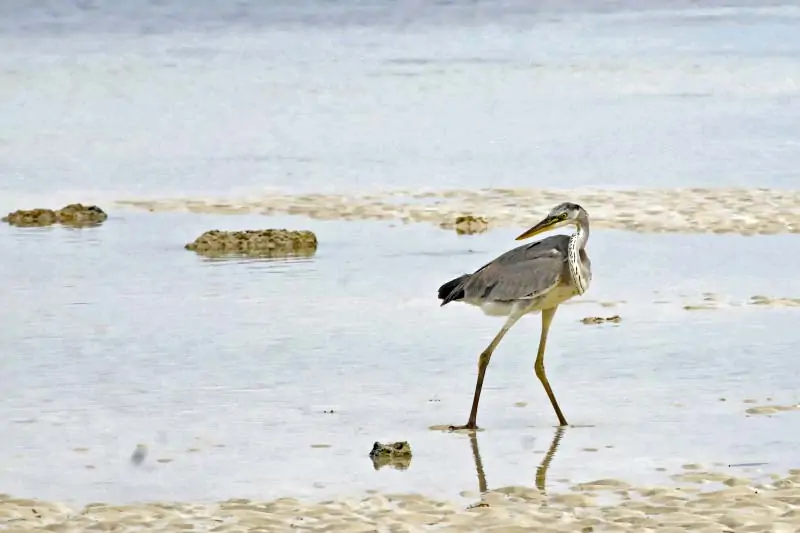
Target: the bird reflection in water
(541, 470)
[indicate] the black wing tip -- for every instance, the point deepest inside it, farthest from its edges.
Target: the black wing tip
(452, 290)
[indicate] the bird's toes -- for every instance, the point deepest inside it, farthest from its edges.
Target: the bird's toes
(465, 427)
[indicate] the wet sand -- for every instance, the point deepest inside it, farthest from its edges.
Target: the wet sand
(699, 500)
(697, 210)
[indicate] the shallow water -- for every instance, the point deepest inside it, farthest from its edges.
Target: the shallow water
(123, 337)
(126, 99)
(225, 369)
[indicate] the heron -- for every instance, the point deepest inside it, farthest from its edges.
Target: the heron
(534, 277)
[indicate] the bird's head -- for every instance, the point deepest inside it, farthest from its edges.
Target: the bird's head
(561, 215)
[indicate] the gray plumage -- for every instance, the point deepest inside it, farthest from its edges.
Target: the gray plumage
(522, 273)
(529, 278)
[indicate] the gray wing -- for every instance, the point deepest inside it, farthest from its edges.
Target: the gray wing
(521, 273)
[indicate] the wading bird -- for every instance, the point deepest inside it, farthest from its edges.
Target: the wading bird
(530, 278)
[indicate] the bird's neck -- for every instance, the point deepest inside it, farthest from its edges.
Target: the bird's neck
(577, 242)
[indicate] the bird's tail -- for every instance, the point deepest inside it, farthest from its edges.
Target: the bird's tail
(453, 289)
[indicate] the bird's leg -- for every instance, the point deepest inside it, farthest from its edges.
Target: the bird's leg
(483, 362)
(547, 318)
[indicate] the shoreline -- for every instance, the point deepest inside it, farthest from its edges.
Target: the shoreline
(698, 499)
(700, 210)
(691, 496)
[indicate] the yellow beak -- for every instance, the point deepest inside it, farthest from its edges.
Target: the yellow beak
(542, 226)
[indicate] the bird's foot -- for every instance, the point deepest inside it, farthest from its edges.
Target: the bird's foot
(468, 426)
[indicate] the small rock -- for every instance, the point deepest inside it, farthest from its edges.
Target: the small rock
(395, 454)
(32, 217)
(599, 320)
(468, 225)
(268, 242)
(81, 215)
(75, 215)
(477, 505)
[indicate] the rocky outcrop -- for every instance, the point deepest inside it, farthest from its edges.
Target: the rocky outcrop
(75, 215)
(267, 242)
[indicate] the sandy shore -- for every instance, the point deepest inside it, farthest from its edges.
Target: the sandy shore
(739, 211)
(704, 301)
(700, 501)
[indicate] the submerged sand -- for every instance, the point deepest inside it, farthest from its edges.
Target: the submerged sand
(704, 301)
(698, 210)
(703, 501)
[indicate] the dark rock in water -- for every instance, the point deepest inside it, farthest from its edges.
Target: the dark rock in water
(600, 320)
(32, 217)
(394, 454)
(81, 215)
(75, 215)
(268, 242)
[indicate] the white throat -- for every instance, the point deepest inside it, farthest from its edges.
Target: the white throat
(576, 243)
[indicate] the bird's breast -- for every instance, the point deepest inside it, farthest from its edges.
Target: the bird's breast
(558, 295)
